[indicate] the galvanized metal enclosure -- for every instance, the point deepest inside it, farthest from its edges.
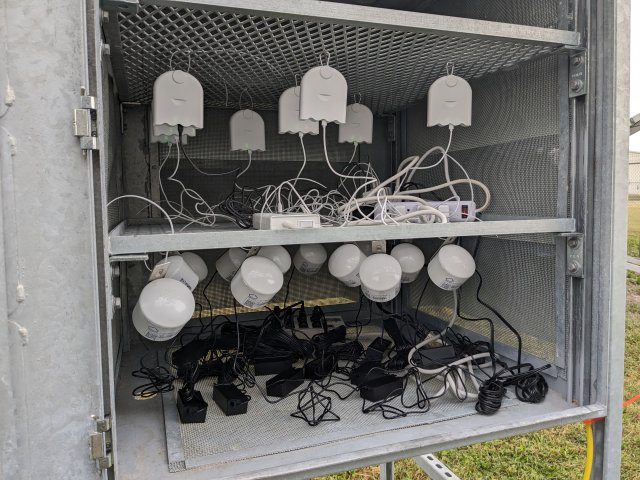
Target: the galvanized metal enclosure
(549, 138)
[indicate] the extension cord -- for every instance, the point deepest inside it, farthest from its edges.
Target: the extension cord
(285, 221)
(462, 211)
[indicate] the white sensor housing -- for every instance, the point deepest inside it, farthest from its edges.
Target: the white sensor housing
(449, 102)
(177, 100)
(246, 131)
(197, 264)
(167, 133)
(164, 307)
(289, 114)
(309, 258)
(278, 255)
(344, 264)
(323, 95)
(359, 125)
(380, 275)
(256, 283)
(451, 267)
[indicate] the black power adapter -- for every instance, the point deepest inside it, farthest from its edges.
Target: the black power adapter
(284, 383)
(272, 364)
(191, 406)
(381, 388)
(376, 349)
(230, 399)
(365, 373)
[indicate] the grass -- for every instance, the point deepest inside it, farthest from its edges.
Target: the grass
(548, 454)
(633, 235)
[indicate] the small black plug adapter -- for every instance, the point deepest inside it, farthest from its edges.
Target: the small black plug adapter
(191, 406)
(230, 399)
(381, 388)
(284, 383)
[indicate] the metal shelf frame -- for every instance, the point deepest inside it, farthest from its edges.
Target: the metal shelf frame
(146, 238)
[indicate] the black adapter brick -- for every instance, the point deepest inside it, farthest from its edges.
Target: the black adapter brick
(191, 353)
(376, 350)
(366, 372)
(435, 357)
(284, 383)
(192, 410)
(381, 388)
(271, 365)
(230, 399)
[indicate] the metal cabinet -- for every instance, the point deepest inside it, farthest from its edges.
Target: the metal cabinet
(549, 136)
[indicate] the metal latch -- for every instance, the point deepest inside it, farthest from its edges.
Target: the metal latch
(85, 122)
(378, 246)
(575, 254)
(577, 74)
(101, 446)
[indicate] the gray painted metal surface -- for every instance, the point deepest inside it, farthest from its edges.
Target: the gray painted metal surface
(126, 239)
(53, 383)
(379, 17)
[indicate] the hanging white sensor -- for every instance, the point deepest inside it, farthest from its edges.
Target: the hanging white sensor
(449, 101)
(246, 131)
(177, 100)
(359, 125)
(289, 114)
(323, 95)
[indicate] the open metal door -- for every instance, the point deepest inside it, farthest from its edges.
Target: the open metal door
(54, 391)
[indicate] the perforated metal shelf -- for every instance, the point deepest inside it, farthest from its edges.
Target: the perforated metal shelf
(390, 57)
(128, 239)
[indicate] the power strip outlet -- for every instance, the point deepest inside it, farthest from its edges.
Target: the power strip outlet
(285, 221)
(462, 211)
(307, 329)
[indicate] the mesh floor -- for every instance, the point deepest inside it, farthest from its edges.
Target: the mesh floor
(268, 429)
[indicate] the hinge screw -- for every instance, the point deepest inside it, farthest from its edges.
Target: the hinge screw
(573, 242)
(577, 60)
(575, 85)
(105, 16)
(106, 49)
(115, 270)
(117, 303)
(573, 267)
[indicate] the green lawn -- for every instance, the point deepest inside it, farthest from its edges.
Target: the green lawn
(549, 454)
(633, 236)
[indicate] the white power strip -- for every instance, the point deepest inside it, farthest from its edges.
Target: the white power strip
(462, 211)
(284, 221)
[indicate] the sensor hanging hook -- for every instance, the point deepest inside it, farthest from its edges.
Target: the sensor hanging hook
(357, 97)
(295, 78)
(450, 67)
(240, 99)
(188, 60)
(324, 52)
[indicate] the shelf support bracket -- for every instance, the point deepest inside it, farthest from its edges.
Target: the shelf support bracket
(435, 468)
(575, 254)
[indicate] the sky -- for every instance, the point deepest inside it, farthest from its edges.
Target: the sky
(634, 101)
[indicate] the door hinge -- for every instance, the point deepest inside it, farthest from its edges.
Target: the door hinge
(85, 122)
(575, 254)
(100, 441)
(577, 74)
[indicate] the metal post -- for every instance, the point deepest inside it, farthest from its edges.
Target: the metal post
(386, 471)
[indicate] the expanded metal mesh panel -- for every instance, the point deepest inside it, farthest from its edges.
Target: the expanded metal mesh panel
(252, 435)
(512, 145)
(261, 55)
(537, 13)
(518, 281)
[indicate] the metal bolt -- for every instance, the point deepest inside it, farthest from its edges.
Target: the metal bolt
(576, 85)
(573, 267)
(115, 270)
(573, 242)
(105, 16)
(577, 60)
(117, 303)
(106, 49)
